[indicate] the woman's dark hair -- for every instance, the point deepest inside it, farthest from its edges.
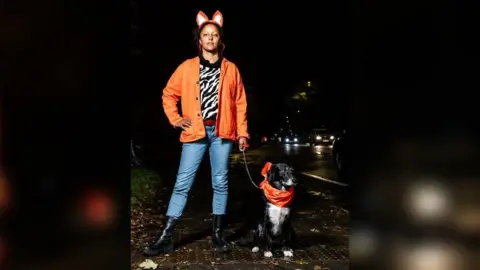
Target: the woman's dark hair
(196, 33)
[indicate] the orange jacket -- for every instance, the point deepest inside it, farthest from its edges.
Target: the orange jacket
(184, 85)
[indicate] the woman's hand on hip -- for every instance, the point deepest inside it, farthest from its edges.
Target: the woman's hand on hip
(242, 144)
(184, 124)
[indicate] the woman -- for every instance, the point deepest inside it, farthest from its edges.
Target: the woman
(214, 111)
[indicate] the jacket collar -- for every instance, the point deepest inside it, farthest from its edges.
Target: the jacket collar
(206, 63)
(223, 64)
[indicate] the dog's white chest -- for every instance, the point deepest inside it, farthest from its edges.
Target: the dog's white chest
(277, 216)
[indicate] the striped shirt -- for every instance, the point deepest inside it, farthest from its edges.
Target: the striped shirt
(209, 81)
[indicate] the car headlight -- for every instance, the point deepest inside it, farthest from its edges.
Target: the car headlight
(318, 137)
(287, 140)
(332, 137)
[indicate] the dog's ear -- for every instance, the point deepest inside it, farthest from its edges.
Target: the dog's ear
(272, 173)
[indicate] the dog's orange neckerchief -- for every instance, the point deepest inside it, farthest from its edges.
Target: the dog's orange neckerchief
(280, 198)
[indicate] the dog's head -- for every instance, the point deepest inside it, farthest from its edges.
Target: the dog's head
(281, 176)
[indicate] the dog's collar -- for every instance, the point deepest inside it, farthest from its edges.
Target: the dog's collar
(280, 198)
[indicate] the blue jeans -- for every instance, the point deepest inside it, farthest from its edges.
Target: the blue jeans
(192, 155)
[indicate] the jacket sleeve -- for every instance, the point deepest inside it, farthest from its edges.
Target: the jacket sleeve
(171, 95)
(241, 107)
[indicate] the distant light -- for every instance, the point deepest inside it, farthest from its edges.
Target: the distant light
(295, 140)
(318, 137)
(363, 243)
(287, 140)
(298, 111)
(332, 137)
(428, 201)
(309, 83)
(428, 255)
(97, 208)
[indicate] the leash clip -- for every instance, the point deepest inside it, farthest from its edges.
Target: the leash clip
(244, 148)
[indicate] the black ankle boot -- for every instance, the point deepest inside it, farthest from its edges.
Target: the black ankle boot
(163, 242)
(219, 243)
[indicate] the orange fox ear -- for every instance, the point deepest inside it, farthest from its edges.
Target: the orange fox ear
(218, 18)
(201, 18)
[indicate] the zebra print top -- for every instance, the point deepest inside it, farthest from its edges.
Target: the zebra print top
(209, 80)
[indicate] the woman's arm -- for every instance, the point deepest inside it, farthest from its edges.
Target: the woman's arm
(171, 95)
(241, 106)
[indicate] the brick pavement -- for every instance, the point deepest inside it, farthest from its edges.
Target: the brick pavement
(321, 225)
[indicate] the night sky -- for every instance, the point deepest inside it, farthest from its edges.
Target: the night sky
(368, 59)
(277, 48)
(72, 71)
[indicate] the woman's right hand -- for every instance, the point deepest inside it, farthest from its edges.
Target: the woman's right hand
(184, 124)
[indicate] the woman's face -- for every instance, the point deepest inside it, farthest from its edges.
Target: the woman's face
(210, 38)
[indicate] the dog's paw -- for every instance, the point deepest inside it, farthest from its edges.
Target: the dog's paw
(288, 253)
(268, 254)
(255, 249)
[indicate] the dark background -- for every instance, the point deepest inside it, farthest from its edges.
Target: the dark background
(277, 49)
(78, 81)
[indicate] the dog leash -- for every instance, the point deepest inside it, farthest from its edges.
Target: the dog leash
(246, 167)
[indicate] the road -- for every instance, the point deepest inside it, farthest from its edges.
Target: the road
(313, 161)
(321, 217)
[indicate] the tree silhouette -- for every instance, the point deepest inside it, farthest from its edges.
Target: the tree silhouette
(302, 103)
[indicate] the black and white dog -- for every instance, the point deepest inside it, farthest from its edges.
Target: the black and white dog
(274, 226)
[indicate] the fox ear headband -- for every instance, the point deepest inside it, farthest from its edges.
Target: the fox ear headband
(202, 19)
